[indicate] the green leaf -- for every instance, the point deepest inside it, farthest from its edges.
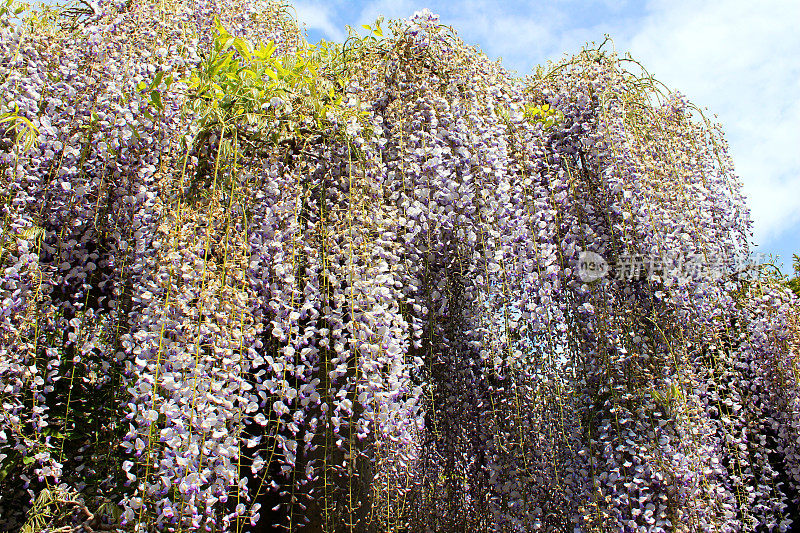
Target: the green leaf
(157, 80)
(265, 51)
(226, 60)
(675, 391)
(242, 47)
(282, 72)
(227, 44)
(193, 81)
(155, 97)
(220, 28)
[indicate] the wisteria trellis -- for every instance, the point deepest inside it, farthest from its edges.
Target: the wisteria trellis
(336, 288)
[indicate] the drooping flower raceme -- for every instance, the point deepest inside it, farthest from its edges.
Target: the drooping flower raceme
(249, 281)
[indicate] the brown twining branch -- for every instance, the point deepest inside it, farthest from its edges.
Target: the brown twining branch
(90, 525)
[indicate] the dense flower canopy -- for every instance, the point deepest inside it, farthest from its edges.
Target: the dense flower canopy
(250, 282)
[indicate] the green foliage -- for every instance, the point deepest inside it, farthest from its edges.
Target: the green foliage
(794, 283)
(56, 506)
(246, 99)
(241, 84)
(543, 114)
(375, 34)
(669, 397)
(29, 234)
(10, 9)
(26, 133)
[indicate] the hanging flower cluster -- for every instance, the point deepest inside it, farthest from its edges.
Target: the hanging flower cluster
(248, 282)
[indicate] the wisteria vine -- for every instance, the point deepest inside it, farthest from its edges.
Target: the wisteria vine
(248, 283)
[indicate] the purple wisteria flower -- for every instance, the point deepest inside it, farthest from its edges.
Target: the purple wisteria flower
(249, 282)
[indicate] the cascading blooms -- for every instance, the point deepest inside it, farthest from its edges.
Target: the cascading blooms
(249, 282)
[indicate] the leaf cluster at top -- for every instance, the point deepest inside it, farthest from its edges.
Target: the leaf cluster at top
(271, 94)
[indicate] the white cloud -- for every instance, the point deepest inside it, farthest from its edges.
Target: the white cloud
(318, 16)
(740, 59)
(499, 29)
(391, 9)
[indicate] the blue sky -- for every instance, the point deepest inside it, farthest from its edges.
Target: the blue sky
(738, 58)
